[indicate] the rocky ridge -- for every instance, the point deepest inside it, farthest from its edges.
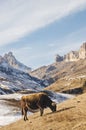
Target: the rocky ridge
(65, 75)
(73, 55)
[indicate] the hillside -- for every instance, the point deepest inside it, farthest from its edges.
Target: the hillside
(71, 65)
(12, 80)
(62, 70)
(68, 75)
(70, 114)
(70, 85)
(11, 105)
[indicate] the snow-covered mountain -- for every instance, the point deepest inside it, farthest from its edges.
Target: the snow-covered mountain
(12, 61)
(12, 80)
(14, 76)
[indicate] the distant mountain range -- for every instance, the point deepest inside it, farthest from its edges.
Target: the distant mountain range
(15, 76)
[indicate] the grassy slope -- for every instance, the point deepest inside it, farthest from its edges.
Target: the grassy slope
(61, 70)
(67, 76)
(68, 84)
(70, 115)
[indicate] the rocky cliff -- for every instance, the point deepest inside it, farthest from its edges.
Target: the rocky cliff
(82, 51)
(73, 55)
(58, 58)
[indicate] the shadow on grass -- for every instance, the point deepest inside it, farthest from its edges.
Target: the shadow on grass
(63, 109)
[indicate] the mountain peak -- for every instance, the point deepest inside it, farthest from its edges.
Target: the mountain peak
(10, 58)
(10, 53)
(13, 62)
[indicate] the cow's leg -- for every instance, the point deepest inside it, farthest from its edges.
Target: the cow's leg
(24, 114)
(41, 112)
(41, 109)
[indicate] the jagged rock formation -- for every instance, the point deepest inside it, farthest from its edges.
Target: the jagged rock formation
(73, 55)
(82, 51)
(58, 58)
(11, 60)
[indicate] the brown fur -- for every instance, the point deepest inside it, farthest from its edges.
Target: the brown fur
(32, 102)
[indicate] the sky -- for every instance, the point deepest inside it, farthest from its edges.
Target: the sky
(36, 30)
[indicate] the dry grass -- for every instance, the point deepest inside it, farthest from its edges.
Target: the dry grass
(68, 84)
(70, 115)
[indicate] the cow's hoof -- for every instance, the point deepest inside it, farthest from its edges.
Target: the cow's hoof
(24, 119)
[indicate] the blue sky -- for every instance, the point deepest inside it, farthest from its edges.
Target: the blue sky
(35, 31)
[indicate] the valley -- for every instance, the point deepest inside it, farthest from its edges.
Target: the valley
(65, 83)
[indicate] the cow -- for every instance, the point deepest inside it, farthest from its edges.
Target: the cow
(33, 102)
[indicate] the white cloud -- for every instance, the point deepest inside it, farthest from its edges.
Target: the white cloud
(20, 17)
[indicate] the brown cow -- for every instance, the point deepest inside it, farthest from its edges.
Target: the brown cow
(36, 101)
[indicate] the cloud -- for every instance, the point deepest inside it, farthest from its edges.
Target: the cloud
(21, 17)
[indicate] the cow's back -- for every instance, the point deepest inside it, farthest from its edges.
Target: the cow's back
(41, 98)
(32, 100)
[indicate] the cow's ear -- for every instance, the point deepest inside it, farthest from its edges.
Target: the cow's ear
(53, 104)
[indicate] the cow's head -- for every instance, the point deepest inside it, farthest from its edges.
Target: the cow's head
(53, 107)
